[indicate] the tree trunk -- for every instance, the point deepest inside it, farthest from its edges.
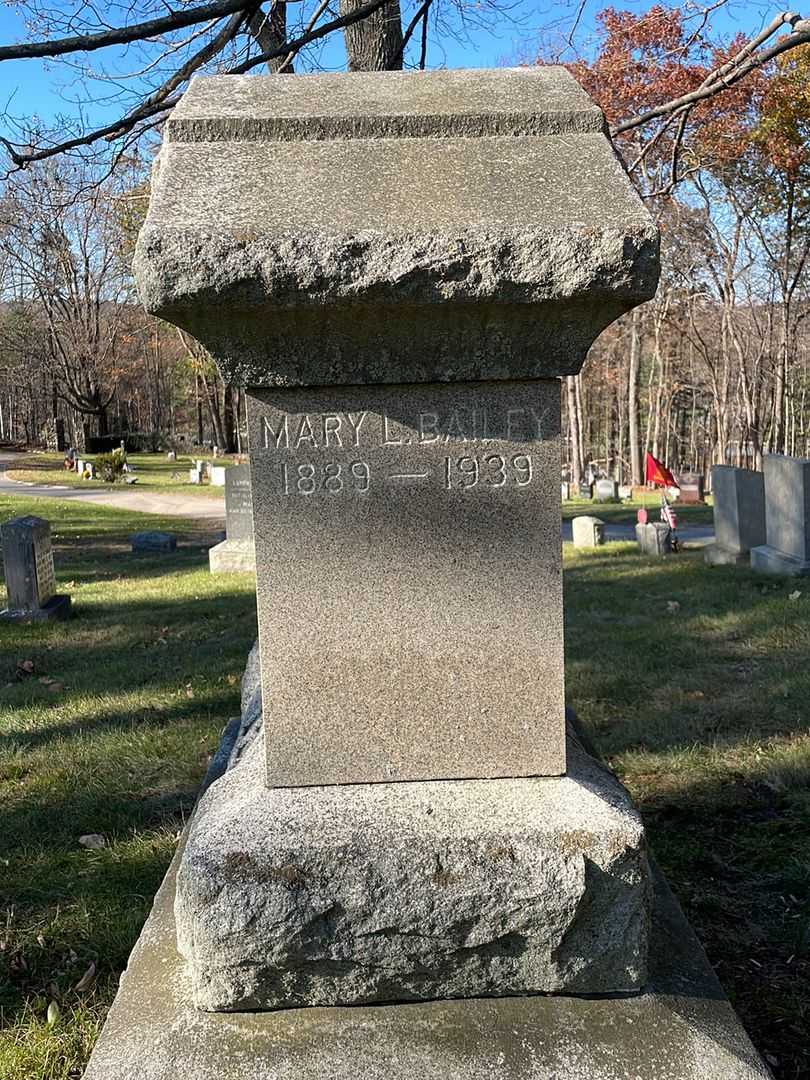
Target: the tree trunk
(573, 431)
(228, 424)
(634, 448)
(374, 43)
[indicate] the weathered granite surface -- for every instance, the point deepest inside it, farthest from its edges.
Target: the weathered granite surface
(408, 581)
(232, 557)
(739, 515)
(377, 892)
(587, 531)
(681, 1027)
(396, 228)
(787, 517)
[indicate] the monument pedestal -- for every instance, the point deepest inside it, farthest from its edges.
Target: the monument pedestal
(681, 1026)
(58, 607)
(363, 893)
(232, 557)
(717, 555)
(770, 560)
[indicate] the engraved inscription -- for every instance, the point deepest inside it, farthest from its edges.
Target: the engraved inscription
(351, 430)
(460, 474)
(46, 581)
(492, 470)
(333, 477)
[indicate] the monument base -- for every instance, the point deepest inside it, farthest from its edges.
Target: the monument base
(681, 1027)
(344, 895)
(232, 557)
(717, 555)
(58, 607)
(769, 560)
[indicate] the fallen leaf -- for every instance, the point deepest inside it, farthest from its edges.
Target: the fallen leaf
(673, 606)
(93, 841)
(40, 941)
(24, 667)
(87, 980)
(795, 595)
(53, 1014)
(231, 680)
(45, 680)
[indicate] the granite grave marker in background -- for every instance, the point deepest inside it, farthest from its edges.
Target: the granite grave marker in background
(29, 571)
(235, 553)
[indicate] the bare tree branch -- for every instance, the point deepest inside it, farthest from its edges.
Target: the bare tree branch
(748, 59)
(123, 35)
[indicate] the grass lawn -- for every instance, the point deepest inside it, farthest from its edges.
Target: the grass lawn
(153, 471)
(694, 681)
(695, 684)
(625, 513)
(110, 735)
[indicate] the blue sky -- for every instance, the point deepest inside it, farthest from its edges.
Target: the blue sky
(31, 87)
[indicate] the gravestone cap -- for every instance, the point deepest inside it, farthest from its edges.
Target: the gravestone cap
(389, 227)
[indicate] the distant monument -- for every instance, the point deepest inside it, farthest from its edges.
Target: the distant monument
(787, 517)
(28, 566)
(739, 515)
(235, 553)
(399, 267)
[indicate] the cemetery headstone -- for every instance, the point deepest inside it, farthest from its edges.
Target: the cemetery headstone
(171, 455)
(654, 538)
(606, 491)
(29, 571)
(625, 491)
(236, 552)
(690, 488)
(195, 473)
(217, 474)
(401, 357)
(739, 515)
(565, 492)
(588, 532)
(787, 517)
(152, 541)
(585, 491)
(388, 431)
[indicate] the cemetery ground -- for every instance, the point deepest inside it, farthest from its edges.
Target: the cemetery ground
(692, 680)
(153, 471)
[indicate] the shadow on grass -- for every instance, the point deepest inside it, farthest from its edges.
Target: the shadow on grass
(695, 681)
(664, 654)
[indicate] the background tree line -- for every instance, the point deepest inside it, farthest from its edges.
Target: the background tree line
(714, 134)
(715, 368)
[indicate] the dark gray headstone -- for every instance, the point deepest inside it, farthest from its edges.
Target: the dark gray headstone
(29, 572)
(787, 517)
(739, 514)
(153, 541)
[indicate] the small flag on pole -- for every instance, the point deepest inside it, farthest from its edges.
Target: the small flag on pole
(655, 472)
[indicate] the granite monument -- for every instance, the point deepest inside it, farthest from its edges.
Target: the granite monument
(739, 515)
(236, 552)
(29, 571)
(398, 268)
(787, 517)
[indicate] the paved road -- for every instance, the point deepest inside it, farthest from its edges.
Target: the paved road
(198, 506)
(171, 504)
(695, 535)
